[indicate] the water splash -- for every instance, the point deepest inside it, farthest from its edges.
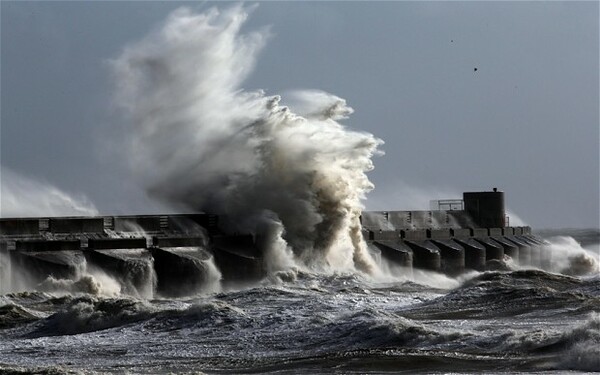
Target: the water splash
(567, 256)
(202, 142)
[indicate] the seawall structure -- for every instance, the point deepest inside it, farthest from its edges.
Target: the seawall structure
(454, 236)
(175, 255)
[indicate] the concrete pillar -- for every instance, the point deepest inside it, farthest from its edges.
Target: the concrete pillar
(133, 268)
(524, 250)
(475, 253)
(47, 245)
(117, 243)
(77, 225)
(237, 257)
(453, 256)
(41, 265)
(181, 272)
(493, 250)
(536, 250)
(510, 248)
(396, 252)
(425, 255)
(19, 227)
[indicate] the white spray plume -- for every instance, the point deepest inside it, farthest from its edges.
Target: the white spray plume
(25, 196)
(568, 257)
(201, 141)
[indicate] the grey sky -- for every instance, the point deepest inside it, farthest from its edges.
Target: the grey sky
(527, 121)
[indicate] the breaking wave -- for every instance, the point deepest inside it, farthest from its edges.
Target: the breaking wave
(13, 314)
(87, 314)
(583, 344)
(90, 284)
(297, 178)
(504, 294)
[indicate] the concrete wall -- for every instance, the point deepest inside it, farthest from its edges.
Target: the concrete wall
(385, 235)
(137, 223)
(77, 225)
(460, 233)
(237, 257)
(479, 232)
(178, 241)
(425, 255)
(44, 245)
(394, 220)
(117, 243)
(438, 234)
(395, 252)
(414, 235)
(192, 223)
(19, 226)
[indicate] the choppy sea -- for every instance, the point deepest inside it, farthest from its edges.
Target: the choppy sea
(518, 321)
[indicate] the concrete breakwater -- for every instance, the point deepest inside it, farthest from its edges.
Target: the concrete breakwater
(176, 248)
(176, 255)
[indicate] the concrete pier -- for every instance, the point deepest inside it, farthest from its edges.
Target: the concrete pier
(47, 245)
(165, 249)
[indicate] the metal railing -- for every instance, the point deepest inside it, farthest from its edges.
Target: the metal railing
(447, 205)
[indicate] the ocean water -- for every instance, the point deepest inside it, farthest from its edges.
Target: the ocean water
(523, 320)
(198, 139)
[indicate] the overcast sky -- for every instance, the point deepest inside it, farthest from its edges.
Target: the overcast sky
(525, 121)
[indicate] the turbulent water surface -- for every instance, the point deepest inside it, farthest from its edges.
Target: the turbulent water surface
(302, 322)
(295, 177)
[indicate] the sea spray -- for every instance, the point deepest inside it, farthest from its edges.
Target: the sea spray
(202, 142)
(25, 196)
(569, 257)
